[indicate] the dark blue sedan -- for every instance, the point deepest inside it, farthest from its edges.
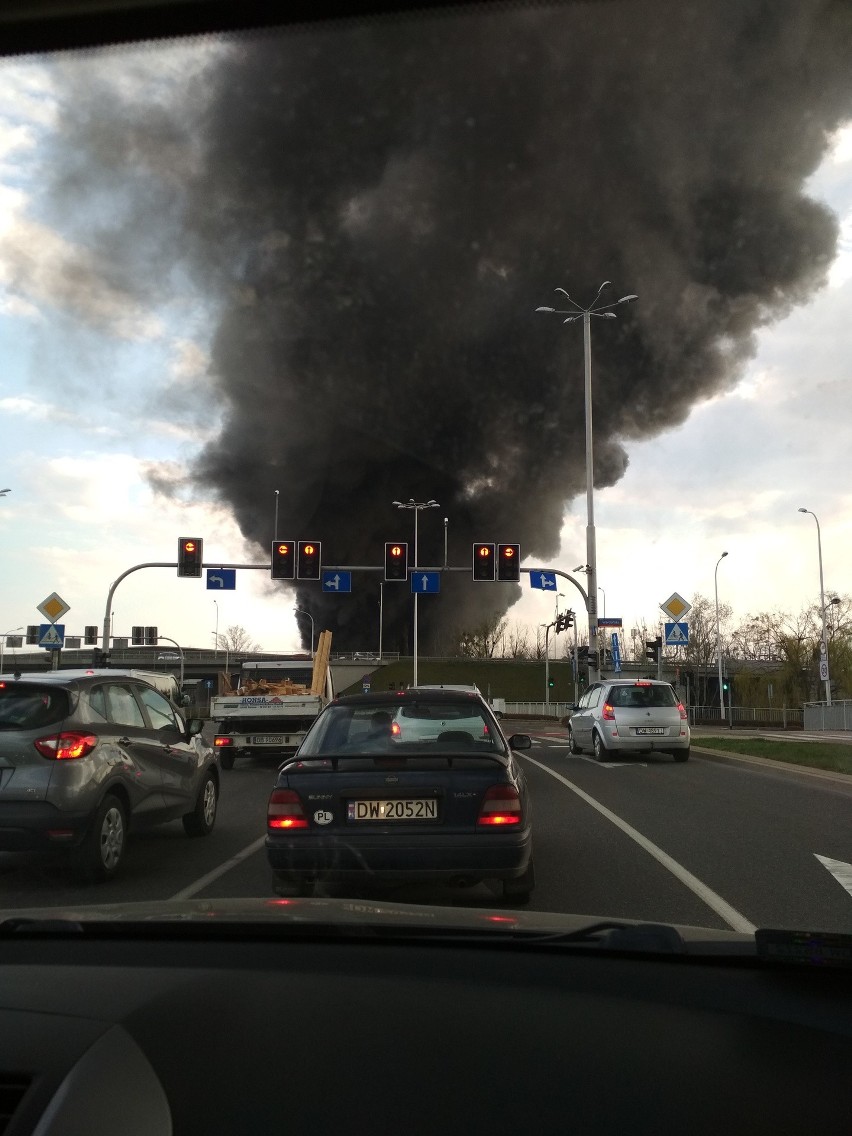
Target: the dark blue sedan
(418, 785)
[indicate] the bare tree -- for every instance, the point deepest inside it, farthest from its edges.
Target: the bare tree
(236, 640)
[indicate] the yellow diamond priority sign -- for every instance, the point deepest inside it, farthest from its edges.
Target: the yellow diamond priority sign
(53, 608)
(676, 607)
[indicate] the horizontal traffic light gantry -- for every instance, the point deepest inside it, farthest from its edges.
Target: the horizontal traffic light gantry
(396, 560)
(190, 556)
(283, 559)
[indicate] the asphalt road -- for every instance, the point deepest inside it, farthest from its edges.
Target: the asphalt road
(710, 843)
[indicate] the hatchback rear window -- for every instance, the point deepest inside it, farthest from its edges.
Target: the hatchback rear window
(23, 706)
(641, 696)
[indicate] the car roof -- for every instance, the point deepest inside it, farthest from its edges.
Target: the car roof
(413, 694)
(72, 677)
(635, 682)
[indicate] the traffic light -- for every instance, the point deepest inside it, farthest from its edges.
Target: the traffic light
(569, 618)
(592, 660)
(283, 560)
(551, 683)
(483, 562)
(653, 648)
(151, 636)
(190, 550)
(560, 625)
(32, 633)
(308, 559)
(509, 563)
(137, 636)
(90, 635)
(99, 657)
(396, 560)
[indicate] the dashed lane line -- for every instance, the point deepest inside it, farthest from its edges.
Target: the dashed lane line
(714, 901)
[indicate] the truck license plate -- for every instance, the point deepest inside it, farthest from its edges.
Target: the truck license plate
(422, 808)
(271, 740)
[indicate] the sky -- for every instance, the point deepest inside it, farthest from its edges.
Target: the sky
(84, 424)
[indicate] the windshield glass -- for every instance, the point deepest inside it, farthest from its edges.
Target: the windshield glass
(503, 347)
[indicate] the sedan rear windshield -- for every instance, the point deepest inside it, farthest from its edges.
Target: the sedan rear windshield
(425, 727)
(23, 706)
(641, 696)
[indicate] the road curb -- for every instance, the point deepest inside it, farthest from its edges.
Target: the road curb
(783, 766)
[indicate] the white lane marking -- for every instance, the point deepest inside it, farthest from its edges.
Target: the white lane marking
(841, 872)
(194, 888)
(723, 909)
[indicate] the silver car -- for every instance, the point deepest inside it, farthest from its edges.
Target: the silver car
(630, 716)
(85, 758)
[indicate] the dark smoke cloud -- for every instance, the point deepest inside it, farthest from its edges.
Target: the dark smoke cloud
(378, 208)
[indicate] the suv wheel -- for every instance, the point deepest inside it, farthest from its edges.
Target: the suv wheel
(572, 742)
(202, 818)
(601, 752)
(102, 851)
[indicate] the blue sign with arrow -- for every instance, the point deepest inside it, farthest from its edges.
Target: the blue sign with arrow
(221, 579)
(425, 582)
(333, 580)
(543, 580)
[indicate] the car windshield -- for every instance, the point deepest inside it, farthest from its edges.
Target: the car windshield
(503, 347)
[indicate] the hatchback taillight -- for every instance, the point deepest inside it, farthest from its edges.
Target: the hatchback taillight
(284, 811)
(683, 713)
(66, 746)
(608, 714)
(501, 807)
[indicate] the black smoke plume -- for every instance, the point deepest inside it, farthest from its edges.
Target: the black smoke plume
(377, 208)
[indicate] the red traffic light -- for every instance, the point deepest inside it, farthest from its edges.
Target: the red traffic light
(190, 556)
(283, 552)
(308, 560)
(509, 562)
(396, 560)
(483, 561)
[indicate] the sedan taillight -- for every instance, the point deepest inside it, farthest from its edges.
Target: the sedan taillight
(66, 746)
(284, 811)
(501, 807)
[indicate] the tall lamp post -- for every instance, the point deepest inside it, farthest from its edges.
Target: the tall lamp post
(216, 632)
(719, 640)
(603, 311)
(418, 507)
(311, 618)
(823, 665)
(546, 627)
(275, 522)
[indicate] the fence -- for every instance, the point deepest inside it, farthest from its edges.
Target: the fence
(538, 709)
(821, 716)
(775, 717)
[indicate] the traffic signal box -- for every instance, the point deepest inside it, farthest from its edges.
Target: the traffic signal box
(396, 560)
(190, 555)
(308, 559)
(509, 563)
(483, 562)
(653, 648)
(283, 559)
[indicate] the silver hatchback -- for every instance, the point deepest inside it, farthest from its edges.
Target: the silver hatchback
(630, 716)
(85, 758)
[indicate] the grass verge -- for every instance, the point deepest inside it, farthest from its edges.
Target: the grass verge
(818, 755)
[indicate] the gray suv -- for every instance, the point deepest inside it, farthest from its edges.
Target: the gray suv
(85, 758)
(630, 716)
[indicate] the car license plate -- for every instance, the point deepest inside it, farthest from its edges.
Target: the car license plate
(271, 740)
(420, 808)
(650, 729)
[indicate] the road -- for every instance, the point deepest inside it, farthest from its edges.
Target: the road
(716, 844)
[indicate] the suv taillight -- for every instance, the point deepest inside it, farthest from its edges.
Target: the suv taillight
(64, 747)
(608, 713)
(284, 811)
(501, 807)
(683, 713)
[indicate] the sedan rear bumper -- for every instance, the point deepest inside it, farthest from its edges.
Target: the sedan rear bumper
(402, 856)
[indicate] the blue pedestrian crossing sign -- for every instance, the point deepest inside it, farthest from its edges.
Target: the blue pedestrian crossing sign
(221, 579)
(425, 582)
(541, 579)
(333, 580)
(51, 636)
(677, 634)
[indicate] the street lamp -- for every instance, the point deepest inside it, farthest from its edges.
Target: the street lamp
(546, 627)
(823, 664)
(600, 589)
(604, 311)
(216, 632)
(275, 525)
(719, 642)
(11, 630)
(311, 618)
(418, 507)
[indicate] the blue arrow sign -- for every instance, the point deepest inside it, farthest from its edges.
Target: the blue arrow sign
(616, 653)
(425, 582)
(51, 636)
(221, 579)
(677, 634)
(334, 580)
(543, 580)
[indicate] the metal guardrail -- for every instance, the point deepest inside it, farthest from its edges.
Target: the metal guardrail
(550, 710)
(783, 717)
(821, 716)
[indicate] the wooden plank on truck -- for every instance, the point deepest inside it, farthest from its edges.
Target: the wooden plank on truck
(321, 660)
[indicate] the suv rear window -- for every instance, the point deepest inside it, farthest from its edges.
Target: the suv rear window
(641, 696)
(24, 706)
